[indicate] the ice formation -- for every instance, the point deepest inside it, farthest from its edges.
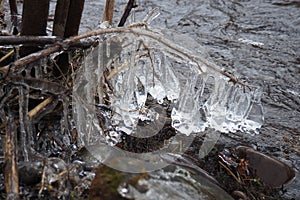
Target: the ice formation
(129, 67)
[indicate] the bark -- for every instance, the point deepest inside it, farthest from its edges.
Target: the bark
(71, 29)
(74, 17)
(14, 13)
(60, 18)
(109, 11)
(34, 21)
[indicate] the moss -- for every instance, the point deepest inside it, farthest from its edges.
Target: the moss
(105, 184)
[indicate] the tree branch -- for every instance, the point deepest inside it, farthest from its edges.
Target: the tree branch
(38, 40)
(131, 4)
(129, 29)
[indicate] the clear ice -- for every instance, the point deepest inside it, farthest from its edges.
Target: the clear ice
(126, 68)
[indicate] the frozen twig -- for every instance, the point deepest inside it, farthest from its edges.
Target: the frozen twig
(58, 46)
(133, 28)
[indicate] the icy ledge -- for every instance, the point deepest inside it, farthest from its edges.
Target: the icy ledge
(129, 67)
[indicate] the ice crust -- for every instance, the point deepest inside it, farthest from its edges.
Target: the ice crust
(128, 67)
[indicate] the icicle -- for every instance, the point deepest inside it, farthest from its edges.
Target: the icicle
(153, 14)
(23, 119)
(39, 66)
(186, 117)
(142, 63)
(64, 122)
(99, 73)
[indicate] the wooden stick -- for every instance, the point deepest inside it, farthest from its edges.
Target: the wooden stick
(11, 169)
(35, 40)
(74, 18)
(131, 4)
(1, 6)
(109, 11)
(7, 56)
(13, 8)
(39, 107)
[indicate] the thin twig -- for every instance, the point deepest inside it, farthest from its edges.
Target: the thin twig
(231, 173)
(117, 70)
(7, 56)
(60, 45)
(43, 176)
(39, 107)
(131, 4)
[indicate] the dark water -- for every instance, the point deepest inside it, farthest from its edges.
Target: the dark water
(259, 41)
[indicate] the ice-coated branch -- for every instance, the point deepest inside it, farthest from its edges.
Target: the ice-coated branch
(61, 45)
(133, 28)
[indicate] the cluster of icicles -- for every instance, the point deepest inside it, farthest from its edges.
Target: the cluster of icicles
(129, 67)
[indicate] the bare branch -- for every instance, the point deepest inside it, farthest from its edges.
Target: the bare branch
(36, 40)
(131, 4)
(39, 107)
(133, 28)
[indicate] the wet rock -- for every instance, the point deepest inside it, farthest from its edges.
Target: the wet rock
(176, 183)
(182, 179)
(30, 173)
(273, 172)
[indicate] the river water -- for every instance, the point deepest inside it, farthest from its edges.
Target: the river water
(259, 41)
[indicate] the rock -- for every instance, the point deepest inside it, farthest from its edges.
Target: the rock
(273, 172)
(30, 173)
(181, 179)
